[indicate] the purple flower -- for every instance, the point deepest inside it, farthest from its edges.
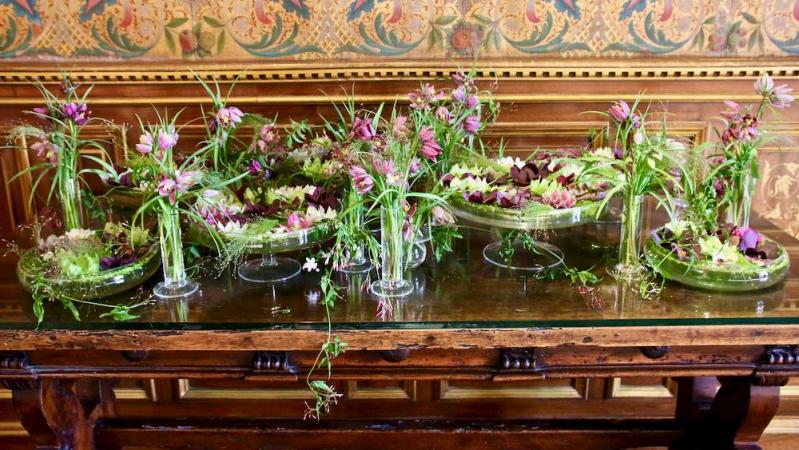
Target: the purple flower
(423, 98)
(511, 199)
(267, 135)
(472, 101)
(429, 146)
(443, 114)
(399, 128)
(255, 166)
(778, 96)
(46, 149)
(145, 144)
(461, 77)
(471, 124)
(733, 111)
(523, 176)
(110, 262)
(167, 138)
(619, 111)
(169, 187)
(559, 199)
(42, 110)
(415, 166)
(362, 129)
(361, 179)
(229, 117)
(78, 112)
(750, 239)
(459, 94)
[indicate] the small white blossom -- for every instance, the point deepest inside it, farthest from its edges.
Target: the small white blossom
(310, 265)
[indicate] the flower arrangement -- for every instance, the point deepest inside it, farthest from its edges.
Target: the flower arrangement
(639, 162)
(170, 182)
(286, 200)
(81, 264)
(728, 258)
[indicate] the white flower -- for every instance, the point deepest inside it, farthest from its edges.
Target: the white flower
(319, 214)
(310, 265)
(232, 227)
(470, 185)
(458, 170)
(639, 137)
(291, 193)
(78, 234)
(510, 161)
(604, 152)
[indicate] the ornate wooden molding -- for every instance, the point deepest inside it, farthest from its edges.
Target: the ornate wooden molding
(492, 69)
(272, 362)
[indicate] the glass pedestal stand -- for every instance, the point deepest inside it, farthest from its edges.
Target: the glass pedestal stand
(358, 262)
(532, 256)
(270, 268)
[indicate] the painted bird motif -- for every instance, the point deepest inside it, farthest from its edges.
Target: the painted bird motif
(25, 8)
(633, 6)
(359, 7)
(569, 7)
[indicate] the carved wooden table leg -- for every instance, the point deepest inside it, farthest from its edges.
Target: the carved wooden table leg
(742, 410)
(71, 411)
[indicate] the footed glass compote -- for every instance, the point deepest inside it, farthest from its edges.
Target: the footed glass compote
(532, 255)
(270, 268)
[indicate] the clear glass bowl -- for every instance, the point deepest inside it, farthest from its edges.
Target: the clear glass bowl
(717, 278)
(102, 284)
(279, 242)
(521, 219)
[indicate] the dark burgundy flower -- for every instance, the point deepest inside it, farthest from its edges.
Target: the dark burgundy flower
(320, 197)
(447, 179)
(110, 262)
(526, 174)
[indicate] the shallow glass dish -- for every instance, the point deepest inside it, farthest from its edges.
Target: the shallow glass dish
(717, 278)
(98, 285)
(285, 242)
(525, 219)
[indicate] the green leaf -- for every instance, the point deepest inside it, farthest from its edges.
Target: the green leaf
(444, 20)
(176, 22)
(213, 22)
(170, 41)
(749, 17)
(119, 313)
(220, 43)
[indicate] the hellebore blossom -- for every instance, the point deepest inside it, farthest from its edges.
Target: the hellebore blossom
(78, 112)
(267, 136)
(361, 179)
(169, 187)
(750, 239)
(559, 199)
(229, 117)
(778, 96)
(429, 148)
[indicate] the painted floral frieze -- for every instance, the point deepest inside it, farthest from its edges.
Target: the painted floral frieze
(346, 29)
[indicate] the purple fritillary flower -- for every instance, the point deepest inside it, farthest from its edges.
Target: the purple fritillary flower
(145, 144)
(228, 117)
(619, 111)
(414, 166)
(472, 101)
(361, 179)
(167, 138)
(471, 124)
(362, 129)
(255, 166)
(77, 112)
(458, 94)
(443, 114)
(429, 146)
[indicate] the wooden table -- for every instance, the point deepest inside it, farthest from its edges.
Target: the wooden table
(468, 324)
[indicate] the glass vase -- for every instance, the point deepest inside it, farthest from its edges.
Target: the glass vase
(392, 282)
(743, 186)
(176, 284)
(69, 195)
(629, 266)
(356, 262)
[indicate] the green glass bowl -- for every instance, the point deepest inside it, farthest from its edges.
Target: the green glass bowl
(521, 219)
(102, 284)
(717, 278)
(269, 242)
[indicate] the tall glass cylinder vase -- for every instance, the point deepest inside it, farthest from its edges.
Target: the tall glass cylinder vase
(357, 262)
(176, 284)
(68, 187)
(392, 282)
(743, 185)
(629, 267)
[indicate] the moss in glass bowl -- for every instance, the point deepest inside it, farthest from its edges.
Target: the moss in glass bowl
(728, 260)
(86, 264)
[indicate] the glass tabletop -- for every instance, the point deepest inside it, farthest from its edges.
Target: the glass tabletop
(460, 291)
